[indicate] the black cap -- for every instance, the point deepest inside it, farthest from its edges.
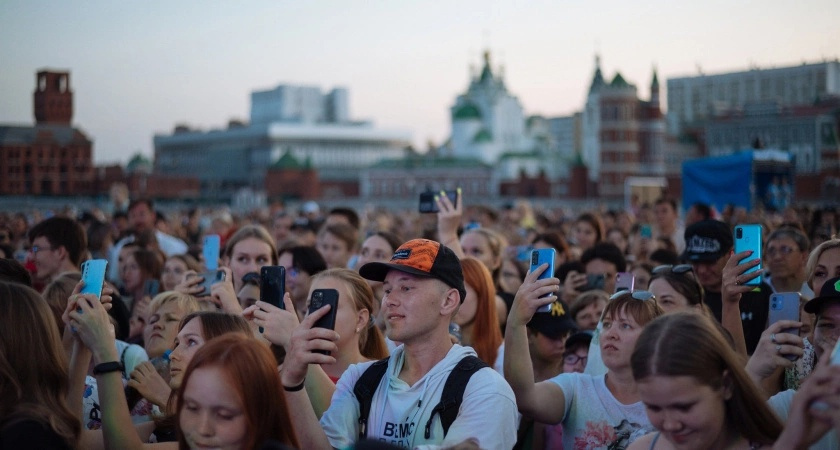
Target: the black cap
(579, 339)
(707, 241)
(830, 292)
(424, 258)
(554, 323)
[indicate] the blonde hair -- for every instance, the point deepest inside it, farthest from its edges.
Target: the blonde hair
(186, 302)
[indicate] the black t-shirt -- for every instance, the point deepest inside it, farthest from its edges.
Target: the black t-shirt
(754, 308)
(30, 433)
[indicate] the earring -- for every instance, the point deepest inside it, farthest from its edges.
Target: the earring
(357, 330)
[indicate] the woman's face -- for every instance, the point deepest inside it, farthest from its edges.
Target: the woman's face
(585, 235)
(334, 250)
(466, 313)
(248, 255)
(212, 414)
(348, 321)
(476, 246)
(131, 274)
(689, 414)
(828, 266)
(667, 297)
(188, 341)
(618, 239)
(510, 280)
(619, 336)
(297, 281)
(173, 273)
(375, 249)
(159, 334)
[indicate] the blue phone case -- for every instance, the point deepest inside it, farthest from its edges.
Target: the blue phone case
(210, 251)
(748, 237)
(93, 274)
(539, 257)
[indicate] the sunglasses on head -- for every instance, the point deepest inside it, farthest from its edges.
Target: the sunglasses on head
(637, 295)
(679, 269)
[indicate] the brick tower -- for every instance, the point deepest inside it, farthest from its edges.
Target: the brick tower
(53, 99)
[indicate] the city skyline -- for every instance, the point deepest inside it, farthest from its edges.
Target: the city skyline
(140, 69)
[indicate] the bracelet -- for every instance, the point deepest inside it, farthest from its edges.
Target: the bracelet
(295, 388)
(106, 367)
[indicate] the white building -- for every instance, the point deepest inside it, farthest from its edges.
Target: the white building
(300, 104)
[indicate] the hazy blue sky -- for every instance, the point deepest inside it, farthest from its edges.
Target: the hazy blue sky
(138, 68)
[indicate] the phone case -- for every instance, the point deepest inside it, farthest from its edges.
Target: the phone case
(428, 203)
(93, 274)
(625, 281)
(748, 237)
(784, 306)
(321, 297)
(210, 251)
(273, 285)
(539, 257)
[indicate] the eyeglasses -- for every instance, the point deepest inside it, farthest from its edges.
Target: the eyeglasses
(678, 269)
(783, 250)
(293, 272)
(36, 248)
(572, 359)
(637, 295)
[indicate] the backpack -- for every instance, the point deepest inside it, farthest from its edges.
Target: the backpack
(450, 398)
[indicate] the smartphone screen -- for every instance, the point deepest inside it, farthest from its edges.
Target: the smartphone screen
(539, 257)
(428, 203)
(748, 237)
(93, 274)
(151, 288)
(210, 251)
(646, 231)
(273, 285)
(320, 298)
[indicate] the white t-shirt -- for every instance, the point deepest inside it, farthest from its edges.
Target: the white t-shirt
(594, 364)
(399, 412)
(780, 404)
(594, 419)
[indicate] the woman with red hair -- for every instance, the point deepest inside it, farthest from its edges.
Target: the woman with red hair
(477, 315)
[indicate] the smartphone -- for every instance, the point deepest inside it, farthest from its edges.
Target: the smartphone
(624, 281)
(211, 277)
(646, 231)
(273, 285)
(210, 251)
(540, 256)
(748, 237)
(593, 281)
(784, 306)
(320, 298)
(428, 203)
(93, 274)
(151, 288)
(523, 252)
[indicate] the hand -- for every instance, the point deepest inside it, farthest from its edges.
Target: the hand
(734, 278)
(814, 409)
(277, 324)
(90, 320)
(190, 284)
(150, 384)
(305, 339)
(529, 297)
(772, 348)
(224, 295)
(574, 281)
(448, 216)
(105, 299)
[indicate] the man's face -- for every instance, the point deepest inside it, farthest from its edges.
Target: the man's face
(599, 266)
(412, 306)
(710, 274)
(46, 258)
(827, 328)
(783, 257)
(665, 215)
(141, 217)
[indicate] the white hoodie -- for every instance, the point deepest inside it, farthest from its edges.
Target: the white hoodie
(399, 412)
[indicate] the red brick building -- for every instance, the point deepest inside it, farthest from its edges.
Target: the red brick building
(51, 157)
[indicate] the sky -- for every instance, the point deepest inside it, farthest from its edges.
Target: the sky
(140, 68)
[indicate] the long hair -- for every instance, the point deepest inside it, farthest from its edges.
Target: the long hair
(371, 341)
(56, 294)
(33, 366)
(486, 335)
(814, 257)
(250, 371)
(661, 350)
(251, 231)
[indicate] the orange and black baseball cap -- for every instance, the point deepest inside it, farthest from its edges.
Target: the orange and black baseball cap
(421, 257)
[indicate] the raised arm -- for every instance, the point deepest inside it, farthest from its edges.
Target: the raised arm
(544, 401)
(731, 292)
(448, 219)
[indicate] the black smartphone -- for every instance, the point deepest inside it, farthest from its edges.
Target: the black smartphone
(428, 203)
(210, 278)
(593, 281)
(321, 297)
(273, 285)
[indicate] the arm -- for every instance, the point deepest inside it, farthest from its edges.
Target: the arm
(545, 401)
(449, 217)
(731, 297)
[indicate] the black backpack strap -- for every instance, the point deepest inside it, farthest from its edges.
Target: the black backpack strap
(453, 392)
(365, 387)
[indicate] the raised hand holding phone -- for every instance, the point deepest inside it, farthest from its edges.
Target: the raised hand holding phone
(748, 238)
(539, 257)
(210, 251)
(319, 299)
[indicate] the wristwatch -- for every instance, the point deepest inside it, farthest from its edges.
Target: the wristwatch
(112, 366)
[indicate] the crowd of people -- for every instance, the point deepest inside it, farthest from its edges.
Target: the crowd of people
(649, 334)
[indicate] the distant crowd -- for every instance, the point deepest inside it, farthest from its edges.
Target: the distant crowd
(338, 328)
